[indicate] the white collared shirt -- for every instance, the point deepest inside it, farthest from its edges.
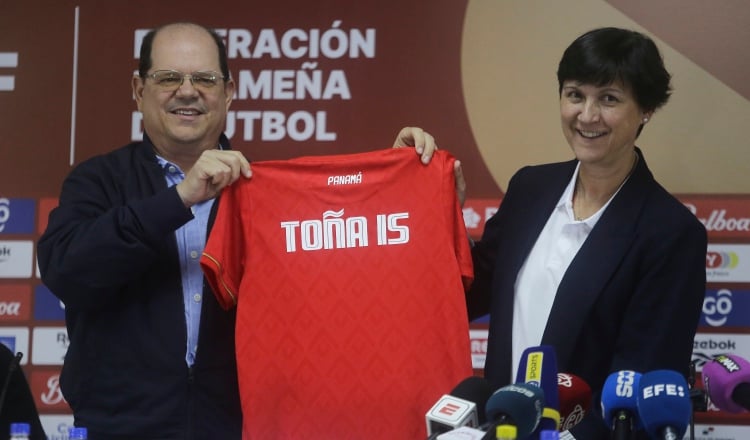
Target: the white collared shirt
(540, 275)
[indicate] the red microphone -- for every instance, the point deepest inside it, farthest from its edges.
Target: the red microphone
(575, 399)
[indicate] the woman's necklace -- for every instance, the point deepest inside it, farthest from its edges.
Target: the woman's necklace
(577, 186)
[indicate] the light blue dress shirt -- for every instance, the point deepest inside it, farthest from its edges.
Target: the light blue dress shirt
(191, 239)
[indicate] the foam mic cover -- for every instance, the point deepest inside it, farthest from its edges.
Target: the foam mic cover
(620, 402)
(664, 404)
(538, 366)
(519, 405)
(464, 406)
(14, 363)
(575, 399)
(727, 381)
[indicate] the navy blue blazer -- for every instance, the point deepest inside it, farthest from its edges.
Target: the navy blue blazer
(110, 254)
(630, 299)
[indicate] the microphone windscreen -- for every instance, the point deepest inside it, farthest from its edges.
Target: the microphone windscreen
(664, 402)
(538, 366)
(620, 393)
(721, 377)
(521, 403)
(575, 399)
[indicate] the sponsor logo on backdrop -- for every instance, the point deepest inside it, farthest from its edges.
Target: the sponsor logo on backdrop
(46, 205)
(728, 263)
(45, 385)
(4, 212)
(307, 83)
(489, 212)
(726, 308)
(724, 217)
(16, 259)
(17, 340)
(50, 345)
(484, 319)
(15, 302)
(707, 346)
(8, 341)
(8, 60)
(47, 307)
(56, 426)
(476, 212)
(471, 218)
(478, 340)
(17, 216)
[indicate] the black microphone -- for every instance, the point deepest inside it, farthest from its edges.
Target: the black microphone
(518, 406)
(11, 369)
(464, 406)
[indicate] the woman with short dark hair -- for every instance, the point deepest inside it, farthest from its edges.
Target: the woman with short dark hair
(593, 256)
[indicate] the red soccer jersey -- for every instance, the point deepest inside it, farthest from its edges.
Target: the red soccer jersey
(348, 274)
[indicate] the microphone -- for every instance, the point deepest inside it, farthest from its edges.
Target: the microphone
(463, 433)
(620, 403)
(727, 381)
(11, 369)
(520, 405)
(538, 366)
(664, 404)
(464, 406)
(575, 399)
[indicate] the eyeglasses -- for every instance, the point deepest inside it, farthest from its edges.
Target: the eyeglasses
(171, 80)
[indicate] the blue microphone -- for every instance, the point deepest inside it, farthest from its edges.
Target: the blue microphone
(538, 366)
(664, 405)
(620, 403)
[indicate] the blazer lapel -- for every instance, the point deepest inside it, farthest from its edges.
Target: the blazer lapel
(595, 262)
(541, 190)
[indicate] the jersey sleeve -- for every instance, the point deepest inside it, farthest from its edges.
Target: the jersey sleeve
(224, 253)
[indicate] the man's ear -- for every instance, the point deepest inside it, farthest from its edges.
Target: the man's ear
(229, 88)
(138, 84)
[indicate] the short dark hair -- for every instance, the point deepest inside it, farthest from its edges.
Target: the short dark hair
(605, 55)
(145, 62)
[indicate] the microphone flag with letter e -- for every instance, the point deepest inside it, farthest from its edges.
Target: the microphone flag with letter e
(464, 406)
(538, 366)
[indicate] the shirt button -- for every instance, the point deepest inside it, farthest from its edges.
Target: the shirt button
(193, 254)
(172, 169)
(197, 297)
